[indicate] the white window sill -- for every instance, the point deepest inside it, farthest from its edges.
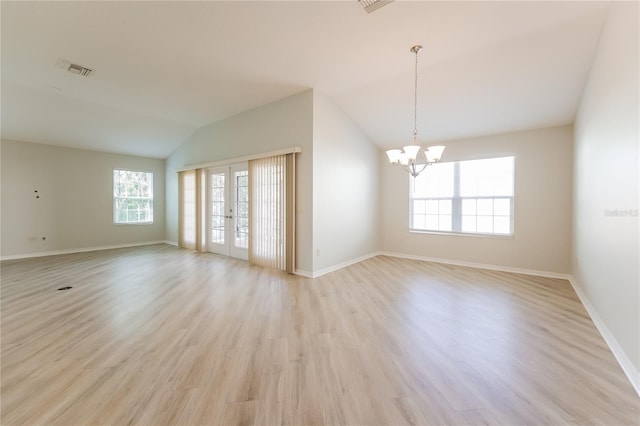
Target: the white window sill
(463, 234)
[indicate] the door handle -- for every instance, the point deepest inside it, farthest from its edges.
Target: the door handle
(229, 217)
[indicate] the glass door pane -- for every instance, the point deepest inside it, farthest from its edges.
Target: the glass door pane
(216, 210)
(228, 210)
(239, 235)
(241, 180)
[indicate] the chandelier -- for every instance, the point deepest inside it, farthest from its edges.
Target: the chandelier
(411, 157)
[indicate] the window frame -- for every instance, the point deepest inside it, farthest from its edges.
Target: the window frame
(456, 204)
(114, 197)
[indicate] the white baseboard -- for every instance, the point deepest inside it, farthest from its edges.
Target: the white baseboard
(343, 264)
(171, 243)
(79, 250)
(625, 363)
(303, 273)
(334, 268)
(490, 267)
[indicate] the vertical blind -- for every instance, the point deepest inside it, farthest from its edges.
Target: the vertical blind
(187, 211)
(272, 212)
(191, 210)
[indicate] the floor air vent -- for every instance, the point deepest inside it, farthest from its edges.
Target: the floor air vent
(74, 68)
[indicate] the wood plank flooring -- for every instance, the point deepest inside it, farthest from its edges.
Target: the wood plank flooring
(157, 336)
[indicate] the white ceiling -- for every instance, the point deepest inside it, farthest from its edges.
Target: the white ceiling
(163, 69)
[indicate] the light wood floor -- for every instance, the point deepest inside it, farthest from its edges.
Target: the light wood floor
(158, 335)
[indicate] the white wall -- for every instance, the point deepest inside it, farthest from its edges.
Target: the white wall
(606, 254)
(75, 208)
(282, 124)
(542, 217)
(345, 188)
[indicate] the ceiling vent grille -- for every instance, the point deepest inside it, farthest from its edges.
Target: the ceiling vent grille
(74, 68)
(373, 5)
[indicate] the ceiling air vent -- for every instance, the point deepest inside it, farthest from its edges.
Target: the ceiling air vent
(74, 68)
(373, 5)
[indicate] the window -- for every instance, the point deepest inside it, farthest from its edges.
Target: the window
(468, 197)
(132, 196)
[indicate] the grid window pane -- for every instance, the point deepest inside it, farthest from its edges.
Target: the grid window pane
(469, 207)
(444, 223)
(432, 207)
(132, 196)
(432, 222)
(484, 224)
(420, 221)
(444, 207)
(501, 225)
(502, 207)
(469, 197)
(469, 223)
(485, 207)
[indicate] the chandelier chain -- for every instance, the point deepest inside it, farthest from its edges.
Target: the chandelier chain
(415, 97)
(413, 158)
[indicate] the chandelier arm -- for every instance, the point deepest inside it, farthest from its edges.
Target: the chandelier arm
(413, 170)
(407, 169)
(424, 166)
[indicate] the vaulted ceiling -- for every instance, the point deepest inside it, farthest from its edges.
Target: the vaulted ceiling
(163, 69)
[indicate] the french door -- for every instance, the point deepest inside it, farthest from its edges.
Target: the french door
(228, 210)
